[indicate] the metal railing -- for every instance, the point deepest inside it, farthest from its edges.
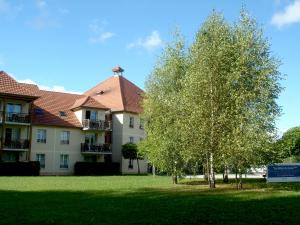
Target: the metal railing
(96, 125)
(16, 144)
(97, 148)
(17, 117)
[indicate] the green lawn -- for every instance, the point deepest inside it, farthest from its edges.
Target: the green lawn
(144, 200)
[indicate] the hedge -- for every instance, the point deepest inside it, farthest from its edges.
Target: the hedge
(31, 168)
(94, 168)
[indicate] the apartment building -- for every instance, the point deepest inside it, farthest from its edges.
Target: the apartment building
(59, 129)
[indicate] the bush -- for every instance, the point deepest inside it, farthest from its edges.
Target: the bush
(94, 168)
(20, 168)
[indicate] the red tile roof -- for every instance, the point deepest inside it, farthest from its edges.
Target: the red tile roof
(49, 106)
(115, 93)
(118, 94)
(88, 102)
(9, 86)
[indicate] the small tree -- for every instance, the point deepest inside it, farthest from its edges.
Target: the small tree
(130, 151)
(288, 146)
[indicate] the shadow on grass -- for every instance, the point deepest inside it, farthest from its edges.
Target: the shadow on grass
(148, 206)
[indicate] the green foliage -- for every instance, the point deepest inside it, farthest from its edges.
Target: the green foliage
(289, 144)
(130, 151)
(215, 103)
(163, 145)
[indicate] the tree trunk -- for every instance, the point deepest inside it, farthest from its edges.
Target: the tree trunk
(153, 170)
(240, 185)
(236, 179)
(225, 175)
(175, 179)
(138, 164)
(211, 172)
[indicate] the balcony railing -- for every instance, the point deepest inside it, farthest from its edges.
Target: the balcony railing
(16, 144)
(17, 117)
(96, 125)
(101, 148)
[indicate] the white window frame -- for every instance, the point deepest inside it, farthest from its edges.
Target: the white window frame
(41, 136)
(131, 122)
(41, 157)
(65, 137)
(141, 124)
(64, 161)
(131, 140)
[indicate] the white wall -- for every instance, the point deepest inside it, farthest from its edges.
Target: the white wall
(53, 149)
(143, 167)
(117, 136)
(134, 132)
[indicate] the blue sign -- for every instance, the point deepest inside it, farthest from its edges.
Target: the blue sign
(283, 172)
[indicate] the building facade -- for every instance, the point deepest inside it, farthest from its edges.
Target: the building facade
(59, 129)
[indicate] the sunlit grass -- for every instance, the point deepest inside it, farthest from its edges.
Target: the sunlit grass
(144, 200)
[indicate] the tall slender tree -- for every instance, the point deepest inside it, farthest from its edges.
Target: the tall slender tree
(161, 112)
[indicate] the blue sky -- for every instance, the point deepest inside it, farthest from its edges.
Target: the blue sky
(70, 45)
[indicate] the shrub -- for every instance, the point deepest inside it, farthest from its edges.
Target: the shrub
(20, 168)
(94, 168)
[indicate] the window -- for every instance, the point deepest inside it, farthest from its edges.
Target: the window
(38, 112)
(64, 161)
(91, 115)
(13, 108)
(41, 159)
(131, 122)
(62, 113)
(41, 136)
(65, 137)
(94, 115)
(141, 124)
(131, 140)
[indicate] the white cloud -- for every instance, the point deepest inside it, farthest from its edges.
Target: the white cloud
(63, 11)
(98, 32)
(56, 88)
(4, 6)
(102, 37)
(291, 14)
(8, 10)
(40, 4)
(46, 16)
(149, 43)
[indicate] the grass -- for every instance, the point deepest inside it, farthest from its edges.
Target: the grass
(144, 200)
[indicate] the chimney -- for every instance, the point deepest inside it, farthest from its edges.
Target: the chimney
(118, 71)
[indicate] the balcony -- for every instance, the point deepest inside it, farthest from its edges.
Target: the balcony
(20, 118)
(95, 149)
(102, 125)
(16, 145)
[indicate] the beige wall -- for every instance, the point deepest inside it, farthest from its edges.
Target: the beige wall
(134, 132)
(143, 167)
(117, 136)
(53, 149)
(80, 114)
(121, 135)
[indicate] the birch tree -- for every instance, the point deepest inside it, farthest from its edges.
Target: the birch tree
(163, 145)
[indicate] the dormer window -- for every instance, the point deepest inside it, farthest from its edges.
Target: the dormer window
(62, 113)
(100, 92)
(91, 115)
(38, 112)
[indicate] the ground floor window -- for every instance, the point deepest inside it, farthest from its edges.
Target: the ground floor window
(64, 161)
(41, 159)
